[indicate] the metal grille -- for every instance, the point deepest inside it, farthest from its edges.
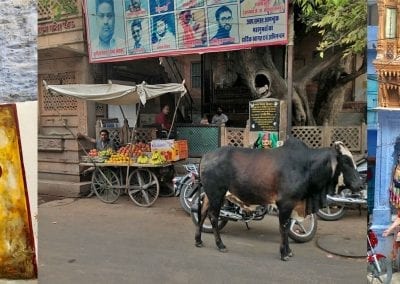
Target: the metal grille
(115, 136)
(350, 136)
(312, 136)
(145, 134)
(390, 51)
(235, 137)
(52, 102)
(47, 8)
(101, 110)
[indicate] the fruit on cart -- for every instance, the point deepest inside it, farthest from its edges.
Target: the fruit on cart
(157, 158)
(126, 150)
(105, 153)
(93, 153)
(142, 159)
(118, 158)
(140, 147)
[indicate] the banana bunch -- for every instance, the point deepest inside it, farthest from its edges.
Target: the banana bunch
(105, 153)
(157, 158)
(142, 159)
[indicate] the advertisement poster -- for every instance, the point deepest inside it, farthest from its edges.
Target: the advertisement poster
(131, 29)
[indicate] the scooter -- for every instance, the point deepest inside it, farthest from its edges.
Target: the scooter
(344, 198)
(301, 229)
(379, 269)
(186, 186)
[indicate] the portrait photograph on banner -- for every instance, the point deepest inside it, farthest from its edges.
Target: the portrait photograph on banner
(223, 25)
(163, 32)
(192, 29)
(136, 8)
(107, 29)
(138, 35)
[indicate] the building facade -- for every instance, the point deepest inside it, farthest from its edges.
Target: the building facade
(387, 64)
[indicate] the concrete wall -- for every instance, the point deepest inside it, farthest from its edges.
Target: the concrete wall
(18, 55)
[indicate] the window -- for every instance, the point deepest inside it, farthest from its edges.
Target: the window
(390, 23)
(373, 15)
(196, 75)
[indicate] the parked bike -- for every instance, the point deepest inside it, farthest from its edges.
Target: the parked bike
(301, 229)
(186, 186)
(336, 204)
(379, 269)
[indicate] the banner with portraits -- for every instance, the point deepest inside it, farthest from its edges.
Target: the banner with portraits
(131, 29)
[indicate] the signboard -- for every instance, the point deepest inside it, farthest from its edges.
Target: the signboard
(131, 29)
(264, 115)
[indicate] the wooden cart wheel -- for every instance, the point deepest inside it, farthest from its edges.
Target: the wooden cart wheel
(143, 187)
(106, 185)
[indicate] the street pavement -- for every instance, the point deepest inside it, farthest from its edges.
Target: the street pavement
(87, 241)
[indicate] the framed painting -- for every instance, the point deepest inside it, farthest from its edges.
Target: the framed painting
(17, 246)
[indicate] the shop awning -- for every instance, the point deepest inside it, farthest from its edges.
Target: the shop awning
(116, 94)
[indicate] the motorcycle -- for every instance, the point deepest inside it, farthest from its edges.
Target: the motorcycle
(301, 229)
(379, 269)
(336, 204)
(186, 186)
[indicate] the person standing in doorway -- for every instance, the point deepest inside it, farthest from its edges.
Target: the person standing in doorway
(162, 119)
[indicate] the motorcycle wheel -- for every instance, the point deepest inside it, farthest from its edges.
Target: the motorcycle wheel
(207, 227)
(331, 212)
(304, 230)
(384, 276)
(188, 191)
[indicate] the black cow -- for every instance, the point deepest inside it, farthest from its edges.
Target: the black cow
(286, 176)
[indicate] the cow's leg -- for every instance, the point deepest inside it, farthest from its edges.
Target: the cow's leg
(214, 210)
(284, 225)
(203, 209)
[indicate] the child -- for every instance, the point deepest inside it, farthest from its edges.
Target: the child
(204, 120)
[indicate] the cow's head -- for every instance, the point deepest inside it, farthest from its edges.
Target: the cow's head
(347, 167)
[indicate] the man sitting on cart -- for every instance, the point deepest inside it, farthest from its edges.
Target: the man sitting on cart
(103, 143)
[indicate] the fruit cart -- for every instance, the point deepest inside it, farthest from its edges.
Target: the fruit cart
(137, 175)
(139, 181)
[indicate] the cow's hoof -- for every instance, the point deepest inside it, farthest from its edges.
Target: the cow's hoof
(199, 244)
(285, 258)
(224, 249)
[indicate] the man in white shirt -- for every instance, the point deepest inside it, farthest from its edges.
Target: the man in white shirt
(219, 118)
(163, 38)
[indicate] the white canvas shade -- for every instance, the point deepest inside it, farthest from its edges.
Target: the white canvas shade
(116, 94)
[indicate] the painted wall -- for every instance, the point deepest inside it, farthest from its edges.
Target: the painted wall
(388, 136)
(18, 57)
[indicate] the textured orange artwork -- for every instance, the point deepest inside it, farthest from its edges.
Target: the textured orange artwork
(17, 251)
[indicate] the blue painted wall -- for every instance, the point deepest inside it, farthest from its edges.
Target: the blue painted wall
(388, 144)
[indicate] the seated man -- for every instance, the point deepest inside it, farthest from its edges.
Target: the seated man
(103, 143)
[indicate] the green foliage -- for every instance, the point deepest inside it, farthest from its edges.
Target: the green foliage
(341, 23)
(60, 8)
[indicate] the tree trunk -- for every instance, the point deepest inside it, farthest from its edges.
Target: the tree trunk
(264, 80)
(332, 107)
